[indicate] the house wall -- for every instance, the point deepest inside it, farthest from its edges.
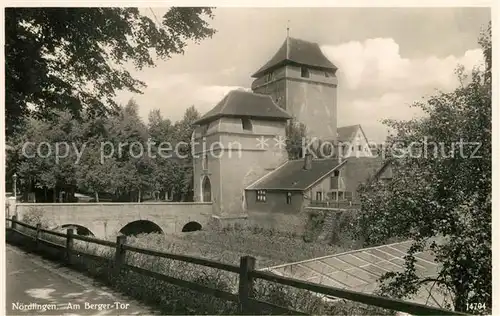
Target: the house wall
(275, 202)
(359, 170)
(275, 213)
(324, 186)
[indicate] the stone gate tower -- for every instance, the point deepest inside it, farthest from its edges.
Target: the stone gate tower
(234, 145)
(302, 81)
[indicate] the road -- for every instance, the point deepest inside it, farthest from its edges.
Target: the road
(36, 286)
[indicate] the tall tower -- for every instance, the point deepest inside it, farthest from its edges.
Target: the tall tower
(302, 81)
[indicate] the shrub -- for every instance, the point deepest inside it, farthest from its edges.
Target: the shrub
(345, 230)
(314, 226)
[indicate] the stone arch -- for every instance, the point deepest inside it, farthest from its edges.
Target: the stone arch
(140, 227)
(191, 227)
(77, 229)
(206, 189)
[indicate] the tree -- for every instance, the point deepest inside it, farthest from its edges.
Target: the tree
(184, 169)
(72, 58)
(295, 134)
(95, 174)
(129, 136)
(42, 166)
(440, 195)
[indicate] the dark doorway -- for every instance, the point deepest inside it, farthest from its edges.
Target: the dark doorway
(207, 190)
(191, 227)
(78, 229)
(140, 227)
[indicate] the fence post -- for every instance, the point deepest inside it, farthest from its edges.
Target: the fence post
(247, 264)
(69, 244)
(119, 254)
(37, 236)
(13, 223)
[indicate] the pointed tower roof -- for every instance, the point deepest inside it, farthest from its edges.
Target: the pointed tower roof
(300, 52)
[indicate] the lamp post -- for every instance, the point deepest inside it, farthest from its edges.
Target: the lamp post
(14, 177)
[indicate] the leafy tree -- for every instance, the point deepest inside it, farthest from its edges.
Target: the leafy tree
(72, 58)
(95, 174)
(183, 164)
(295, 134)
(129, 137)
(159, 128)
(42, 167)
(440, 195)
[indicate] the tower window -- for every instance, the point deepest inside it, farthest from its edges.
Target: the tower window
(270, 76)
(246, 124)
(304, 72)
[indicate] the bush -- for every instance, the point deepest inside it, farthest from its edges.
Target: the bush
(345, 230)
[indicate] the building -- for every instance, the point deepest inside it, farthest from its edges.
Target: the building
(302, 81)
(353, 141)
(237, 163)
(226, 154)
(298, 183)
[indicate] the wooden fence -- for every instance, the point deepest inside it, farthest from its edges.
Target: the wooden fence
(246, 271)
(335, 204)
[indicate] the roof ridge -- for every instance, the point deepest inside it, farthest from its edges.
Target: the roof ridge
(266, 175)
(226, 101)
(287, 53)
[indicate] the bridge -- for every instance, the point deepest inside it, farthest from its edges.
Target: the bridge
(105, 220)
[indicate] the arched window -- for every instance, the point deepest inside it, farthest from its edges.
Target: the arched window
(206, 190)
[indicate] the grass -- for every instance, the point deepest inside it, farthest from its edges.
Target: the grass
(269, 249)
(169, 299)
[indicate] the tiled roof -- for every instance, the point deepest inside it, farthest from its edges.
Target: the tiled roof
(347, 133)
(243, 103)
(360, 270)
(293, 176)
(299, 52)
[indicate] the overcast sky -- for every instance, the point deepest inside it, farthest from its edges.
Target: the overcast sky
(387, 58)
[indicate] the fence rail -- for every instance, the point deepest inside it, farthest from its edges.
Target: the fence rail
(334, 204)
(246, 271)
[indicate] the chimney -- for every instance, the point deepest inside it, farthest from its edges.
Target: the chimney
(307, 161)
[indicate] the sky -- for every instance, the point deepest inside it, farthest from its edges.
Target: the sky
(387, 58)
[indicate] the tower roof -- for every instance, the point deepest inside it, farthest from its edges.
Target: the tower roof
(297, 51)
(239, 103)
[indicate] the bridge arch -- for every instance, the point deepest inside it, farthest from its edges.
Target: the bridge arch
(140, 227)
(191, 227)
(77, 229)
